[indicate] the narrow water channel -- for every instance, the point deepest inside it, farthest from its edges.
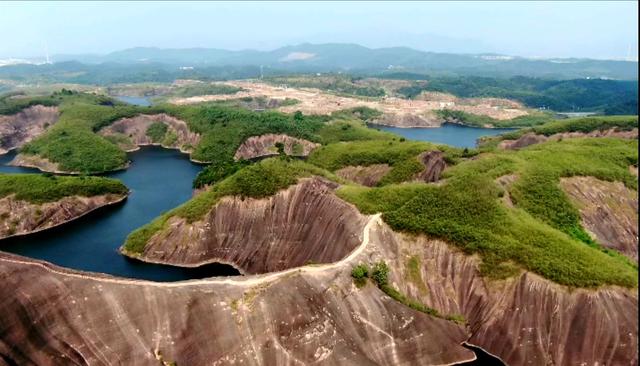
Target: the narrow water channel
(159, 180)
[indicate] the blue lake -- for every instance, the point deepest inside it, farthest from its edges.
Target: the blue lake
(141, 101)
(159, 180)
(449, 133)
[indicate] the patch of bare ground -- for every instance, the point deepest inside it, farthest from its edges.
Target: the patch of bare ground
(396, 111)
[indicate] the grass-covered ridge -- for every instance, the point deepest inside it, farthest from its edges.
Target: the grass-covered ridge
(475, 120)
(395, 151)
(258, 180)
(583, 125)
(541, 234)
(36, 188)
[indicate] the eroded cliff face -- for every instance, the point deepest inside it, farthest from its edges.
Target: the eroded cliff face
(434, 164)
(366, 175)
(134, 131)
(309, 315)
(305, 223)
(407, 120)
(265, 145)
(532, 138)
(524, 320)
(20, 128)
(19, 217)
(609, 212)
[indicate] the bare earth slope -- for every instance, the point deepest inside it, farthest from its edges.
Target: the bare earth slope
(609, 211)
(22, 127)
(305, 223)
(264, 145)
(21, 217)
(313, 315)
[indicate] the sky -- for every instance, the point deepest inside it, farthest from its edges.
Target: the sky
(603, 30)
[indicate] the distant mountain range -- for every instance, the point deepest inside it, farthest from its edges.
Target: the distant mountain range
(356, 59)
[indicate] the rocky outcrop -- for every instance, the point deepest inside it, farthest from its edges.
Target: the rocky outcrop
(310, 315)
(130, 133)
(525, 320)
(532, 138)
(366, 175)
(305, 223)
(434, 164)
(265, 145)
(609, 211)
(20, 128)
(19, 217)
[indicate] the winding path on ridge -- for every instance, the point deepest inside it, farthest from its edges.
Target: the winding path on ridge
(247, 281)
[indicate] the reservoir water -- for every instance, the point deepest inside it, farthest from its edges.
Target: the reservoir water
(159, 180)
(449, 133)
(141, 101)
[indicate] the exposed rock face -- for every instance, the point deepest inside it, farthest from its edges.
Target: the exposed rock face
(21, 217)
(135, 129)
(609, 211)
(532, 138)
(312, 315)
(262, 146)
(434, 164)
(405, 120)
(524, 320)
(305, 223)
(20, 128)
(366, 175)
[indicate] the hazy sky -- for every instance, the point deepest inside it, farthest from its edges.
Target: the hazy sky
(545, 29)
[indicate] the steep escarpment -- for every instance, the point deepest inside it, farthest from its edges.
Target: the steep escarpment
(19, 217)
(609, 211)
(152, 129)
(524, 320)
(265, 145)
(22, 127)
(305, 223)
(532, 138)
(312, 315)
